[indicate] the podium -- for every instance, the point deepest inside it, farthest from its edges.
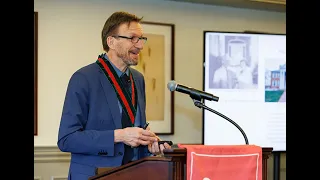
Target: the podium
(172, 166)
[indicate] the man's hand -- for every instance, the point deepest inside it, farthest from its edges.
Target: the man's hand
(134, 136)
(155, 149)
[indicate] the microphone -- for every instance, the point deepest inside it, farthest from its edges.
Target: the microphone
(197, 96)
(194, 93)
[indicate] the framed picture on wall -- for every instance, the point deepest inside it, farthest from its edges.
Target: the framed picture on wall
(156, 63)
(35, 74)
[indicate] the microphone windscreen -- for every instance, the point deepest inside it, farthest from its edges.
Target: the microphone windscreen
(172, 85)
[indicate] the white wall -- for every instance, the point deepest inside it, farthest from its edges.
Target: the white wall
(69, 38)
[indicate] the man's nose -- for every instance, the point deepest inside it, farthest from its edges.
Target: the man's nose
(139, 44)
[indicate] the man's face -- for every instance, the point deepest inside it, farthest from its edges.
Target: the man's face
(125, 49)
(224, 61)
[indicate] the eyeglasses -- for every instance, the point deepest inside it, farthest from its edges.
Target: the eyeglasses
(133, 39)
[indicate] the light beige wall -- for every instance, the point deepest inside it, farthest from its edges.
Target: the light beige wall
(69, 37)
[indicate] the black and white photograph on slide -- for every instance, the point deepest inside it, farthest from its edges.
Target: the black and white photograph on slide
(233, 62)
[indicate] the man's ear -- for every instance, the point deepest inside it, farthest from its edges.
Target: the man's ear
(110, 42)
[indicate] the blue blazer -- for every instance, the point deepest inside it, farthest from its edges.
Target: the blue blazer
(89, 117)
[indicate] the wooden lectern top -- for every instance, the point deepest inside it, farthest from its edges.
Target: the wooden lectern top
(170, 166)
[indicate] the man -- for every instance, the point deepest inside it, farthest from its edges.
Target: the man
(245, 75)
(103, 114)
(221, 78)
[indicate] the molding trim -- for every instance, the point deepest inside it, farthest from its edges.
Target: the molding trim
(281, 2)
(47, 154)
(37, 178)
(59, 178)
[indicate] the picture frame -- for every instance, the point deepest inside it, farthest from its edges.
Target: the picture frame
(156, 63)
(35, 74)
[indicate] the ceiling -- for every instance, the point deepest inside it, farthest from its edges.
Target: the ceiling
(268, 5)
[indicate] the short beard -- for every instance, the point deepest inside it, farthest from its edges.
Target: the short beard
(130, 62)
(126, 59)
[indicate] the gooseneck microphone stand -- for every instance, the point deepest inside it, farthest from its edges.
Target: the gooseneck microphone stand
(197, 102)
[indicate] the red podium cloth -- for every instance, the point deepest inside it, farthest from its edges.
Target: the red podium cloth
(223, 162)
